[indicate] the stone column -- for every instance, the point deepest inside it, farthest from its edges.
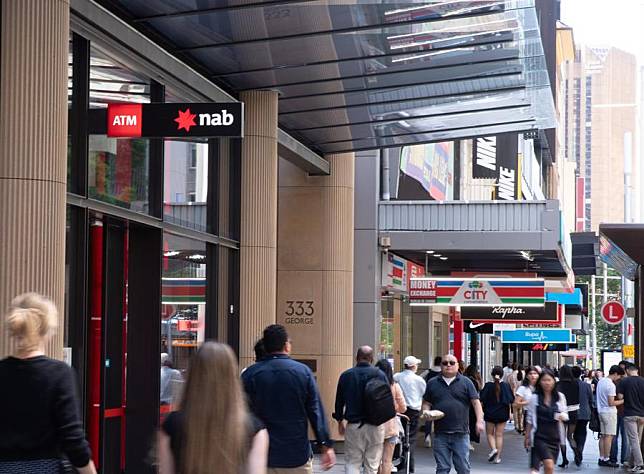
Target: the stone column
(258, 240)
(315, 269)
(33, 153)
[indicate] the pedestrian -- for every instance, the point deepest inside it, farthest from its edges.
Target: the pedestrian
(586, 404)
(631, 390)
(620, 436)
(607, 404)
(507, 370)
(392, 426)
(569, 386)
(363, 442)
(473, 374)
(39, 422)
(413, 387)
(546, 409)
(171, 381)
(514, 380)
(434, 371)
(452, 394)
(522, 399)
(497, 398)
(283, 394)
(597, 376)
(192, 438)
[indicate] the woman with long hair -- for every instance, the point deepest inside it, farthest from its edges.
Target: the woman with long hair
(213, 430)
(522, 395)
(391, 426)
(472, 373)
(39, 425)
(514, 380)
(546, 409)
(496, 398)
(569, 387)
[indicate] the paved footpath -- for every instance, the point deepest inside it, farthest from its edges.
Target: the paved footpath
(515, 459)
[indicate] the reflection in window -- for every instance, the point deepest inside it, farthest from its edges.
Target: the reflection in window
(118, 171)
(186, 184)
(183, 299)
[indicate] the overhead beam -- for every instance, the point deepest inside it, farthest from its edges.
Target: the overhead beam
(301, 156)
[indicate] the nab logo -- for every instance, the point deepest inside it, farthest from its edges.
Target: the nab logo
(124, 120)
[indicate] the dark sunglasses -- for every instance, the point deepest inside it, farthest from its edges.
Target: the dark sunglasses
(448, 362)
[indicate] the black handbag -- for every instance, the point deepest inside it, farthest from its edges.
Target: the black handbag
(37, 466)
(594, 424)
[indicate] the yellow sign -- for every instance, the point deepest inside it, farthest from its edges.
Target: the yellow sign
(628, 351)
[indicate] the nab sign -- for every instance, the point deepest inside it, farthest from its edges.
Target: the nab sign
(185, 120)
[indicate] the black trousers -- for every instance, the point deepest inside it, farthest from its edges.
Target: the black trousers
(414, 421)
(579, 435)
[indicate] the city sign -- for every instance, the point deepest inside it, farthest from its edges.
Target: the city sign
(175, 120)
(534, 336)
(549, 313)
(477, 292)
(613, 312)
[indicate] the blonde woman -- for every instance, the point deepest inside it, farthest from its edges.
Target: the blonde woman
(213, 432)
(39, 422)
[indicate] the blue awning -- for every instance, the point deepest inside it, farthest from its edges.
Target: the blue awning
(574, 299)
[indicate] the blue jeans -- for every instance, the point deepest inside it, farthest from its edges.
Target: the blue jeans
(452, 447)
(621, 433)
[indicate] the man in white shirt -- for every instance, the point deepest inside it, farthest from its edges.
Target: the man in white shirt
(413, 388)
(607, 410)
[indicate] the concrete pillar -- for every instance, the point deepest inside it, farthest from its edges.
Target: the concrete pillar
(258, 240)
(315, 269)
(33, 153)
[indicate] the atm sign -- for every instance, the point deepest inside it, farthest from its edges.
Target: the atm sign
(124, 120)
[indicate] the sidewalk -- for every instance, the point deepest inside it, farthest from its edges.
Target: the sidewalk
(515, 459)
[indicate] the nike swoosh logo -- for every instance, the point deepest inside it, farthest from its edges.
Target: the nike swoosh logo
(477, 325)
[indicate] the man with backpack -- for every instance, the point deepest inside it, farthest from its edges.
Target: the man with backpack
(364, 400)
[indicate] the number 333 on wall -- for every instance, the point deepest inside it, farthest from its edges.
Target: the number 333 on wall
(299, 312)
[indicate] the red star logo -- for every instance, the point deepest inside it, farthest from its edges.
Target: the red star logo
(185, 120)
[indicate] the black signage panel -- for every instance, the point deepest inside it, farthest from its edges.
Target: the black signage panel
(479, 328)
(484, 158)
(169, 120)
(512, 314)
(550, 347)
(497, 158)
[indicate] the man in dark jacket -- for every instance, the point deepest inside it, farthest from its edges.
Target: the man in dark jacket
(283, 394)
(363, 442)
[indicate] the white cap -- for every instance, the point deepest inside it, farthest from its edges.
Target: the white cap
(411, 360)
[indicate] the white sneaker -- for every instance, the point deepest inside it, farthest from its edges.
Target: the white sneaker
(394, 469)
(497, 460)
(471, 447)
(428, 441)
(492, 456)
(637, 470)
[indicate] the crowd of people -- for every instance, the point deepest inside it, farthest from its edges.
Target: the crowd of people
(258, 422)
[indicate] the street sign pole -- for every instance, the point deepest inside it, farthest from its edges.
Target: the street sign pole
(593, 322)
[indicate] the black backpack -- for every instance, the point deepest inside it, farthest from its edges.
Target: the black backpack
(378, 402)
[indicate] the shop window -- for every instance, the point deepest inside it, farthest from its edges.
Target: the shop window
(183, 299)
(186, 184)
(118, 169)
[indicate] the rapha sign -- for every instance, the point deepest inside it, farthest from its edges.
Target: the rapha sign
(176, 120)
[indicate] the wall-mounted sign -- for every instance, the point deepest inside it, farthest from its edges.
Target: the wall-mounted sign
(175, 120)
(513, 314)
(476, 292)
(613, 312)
(394, 272)
(550, 347)
(183, 290)
(497, 158)
(533, 336)
(479, 328)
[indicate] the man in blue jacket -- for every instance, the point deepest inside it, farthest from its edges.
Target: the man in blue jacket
(283, 394)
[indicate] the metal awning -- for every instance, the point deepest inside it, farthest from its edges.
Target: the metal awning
(620, 246)
(513, 236)
(585, 253)
(355, 75)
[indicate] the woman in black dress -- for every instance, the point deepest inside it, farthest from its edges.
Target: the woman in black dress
(569, 387)
(496, 398)
(547, 408)
(39, 423)
(213, 431)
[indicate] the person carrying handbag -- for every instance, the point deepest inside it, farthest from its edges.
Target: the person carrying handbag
(393, 427)
(40, 429)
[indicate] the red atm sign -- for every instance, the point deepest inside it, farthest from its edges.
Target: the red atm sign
(124, 120)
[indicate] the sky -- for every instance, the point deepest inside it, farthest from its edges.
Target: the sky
(618, 23)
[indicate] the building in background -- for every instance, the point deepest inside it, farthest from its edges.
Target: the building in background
(600, 131)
